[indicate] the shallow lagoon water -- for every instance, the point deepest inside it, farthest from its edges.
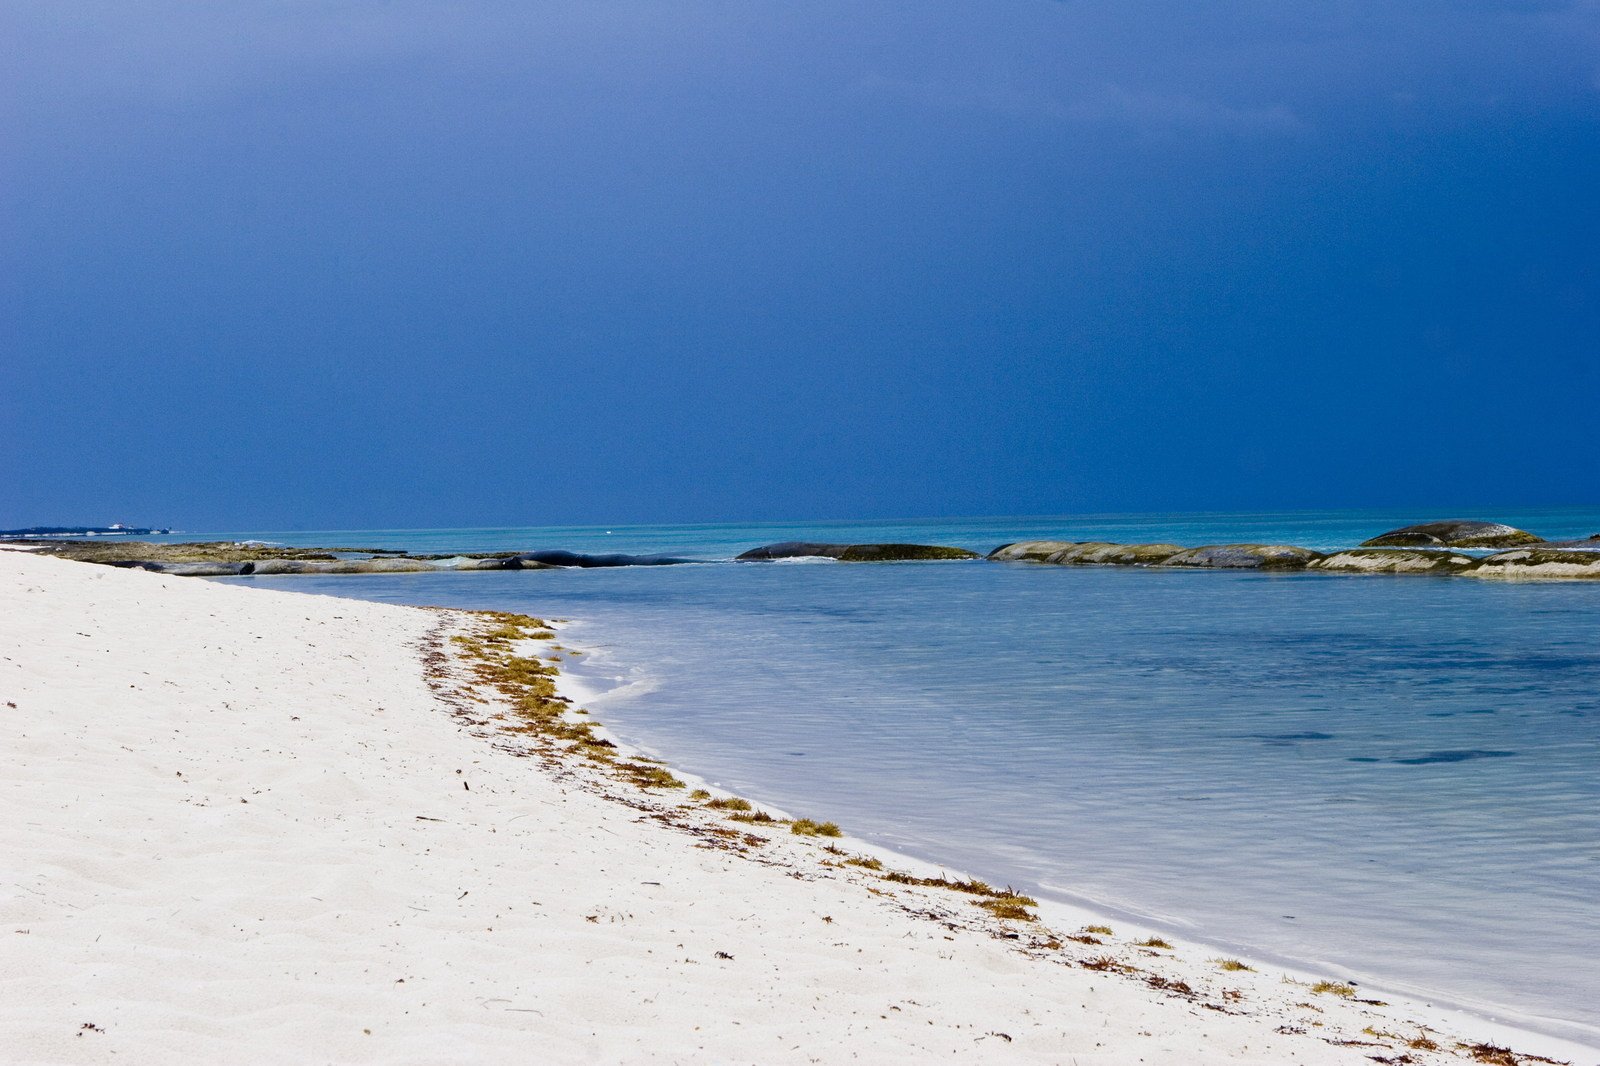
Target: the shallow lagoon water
(1392, 779)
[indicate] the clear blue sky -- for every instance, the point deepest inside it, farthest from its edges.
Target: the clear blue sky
(267, 265)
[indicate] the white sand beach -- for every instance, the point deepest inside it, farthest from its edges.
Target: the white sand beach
(241, 825)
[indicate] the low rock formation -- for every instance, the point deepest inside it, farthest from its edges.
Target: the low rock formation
(1085, 553)
(1246, 557)
(1033, 551)
(1104, 553)
(1393, 561)
(1539, 564)
(854, 553)
(1453, 534)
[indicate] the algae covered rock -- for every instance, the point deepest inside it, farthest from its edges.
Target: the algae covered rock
(1393, 561)
(1245, 557)
(1539, 564)
(1032, 551)
(1455, 533)
(854, 553)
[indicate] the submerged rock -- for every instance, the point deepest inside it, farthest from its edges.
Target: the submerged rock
(577, 559)
(854, 553)
(276, 567)
(1393, 561)
(1245, 557)
(1456, 533)
(186, 569)
(1539, 564)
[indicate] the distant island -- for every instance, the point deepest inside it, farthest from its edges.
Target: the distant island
(116, 529)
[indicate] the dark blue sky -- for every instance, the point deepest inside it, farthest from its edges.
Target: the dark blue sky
(317, 264)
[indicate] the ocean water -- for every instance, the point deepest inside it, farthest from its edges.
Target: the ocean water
(1393, 779)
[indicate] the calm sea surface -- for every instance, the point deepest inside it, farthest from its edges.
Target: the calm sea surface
(1393, 779)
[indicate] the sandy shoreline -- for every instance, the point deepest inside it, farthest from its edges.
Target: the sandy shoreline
(239, 824)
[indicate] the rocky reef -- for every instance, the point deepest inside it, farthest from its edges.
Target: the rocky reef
(854, 553)
(1529, 559)
(1456, 533)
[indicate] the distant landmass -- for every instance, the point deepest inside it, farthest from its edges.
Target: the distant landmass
(116, 529)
